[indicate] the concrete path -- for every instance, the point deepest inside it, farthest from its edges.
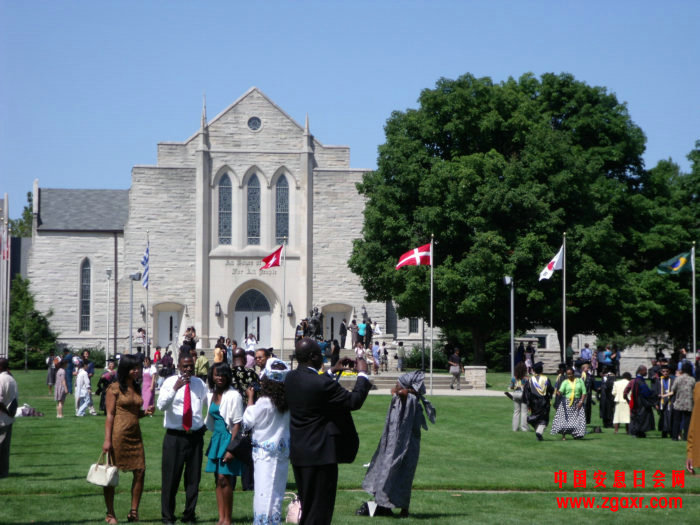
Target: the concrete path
(465, 392)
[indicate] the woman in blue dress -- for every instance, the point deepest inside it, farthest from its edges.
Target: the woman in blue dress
(224, 421)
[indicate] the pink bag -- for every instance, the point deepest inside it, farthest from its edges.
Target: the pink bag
(294, 509)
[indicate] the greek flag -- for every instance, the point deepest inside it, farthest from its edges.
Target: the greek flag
(144, 263)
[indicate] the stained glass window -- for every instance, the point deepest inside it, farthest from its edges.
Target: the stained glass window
(85, 296)
(254, 210)
(225, 209)
(282, 210)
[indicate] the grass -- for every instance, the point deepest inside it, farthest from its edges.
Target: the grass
(472, 469)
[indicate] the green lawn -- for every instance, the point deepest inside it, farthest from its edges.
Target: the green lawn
(472, 469)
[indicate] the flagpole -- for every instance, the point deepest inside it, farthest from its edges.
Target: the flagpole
(147, 350)
(284, 291)
(692, 266)
(563, 300)
(432, 264)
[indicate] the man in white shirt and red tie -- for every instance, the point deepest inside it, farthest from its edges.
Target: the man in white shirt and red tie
(182, 397)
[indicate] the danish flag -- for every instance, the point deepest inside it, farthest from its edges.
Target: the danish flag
(416, 257)
(274, 259)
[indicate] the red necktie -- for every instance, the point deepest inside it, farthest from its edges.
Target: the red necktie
(187, 409)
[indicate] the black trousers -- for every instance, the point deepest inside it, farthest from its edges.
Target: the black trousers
(181, 450)
(317, 486)
(681, 423)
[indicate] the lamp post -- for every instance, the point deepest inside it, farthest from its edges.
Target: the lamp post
(508, 281)
(133, 277)
(108, 273)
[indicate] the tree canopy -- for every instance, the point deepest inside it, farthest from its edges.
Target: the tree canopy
(29, 328)
(498, 172)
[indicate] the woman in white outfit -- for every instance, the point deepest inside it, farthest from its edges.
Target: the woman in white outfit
(269, 421)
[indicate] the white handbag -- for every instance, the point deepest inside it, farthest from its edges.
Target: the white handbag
(104, 474)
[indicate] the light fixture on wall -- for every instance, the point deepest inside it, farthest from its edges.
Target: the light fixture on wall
(217, 309)
(290, 310)
(143, 310)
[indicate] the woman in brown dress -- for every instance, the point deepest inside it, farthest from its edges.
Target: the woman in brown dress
(123, 434)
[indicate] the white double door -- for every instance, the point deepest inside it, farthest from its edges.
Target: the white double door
(168, 328)
(257, 323)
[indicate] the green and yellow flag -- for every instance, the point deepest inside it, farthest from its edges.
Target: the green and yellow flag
(679, 263)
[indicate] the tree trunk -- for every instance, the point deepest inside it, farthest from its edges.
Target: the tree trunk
(479, 347)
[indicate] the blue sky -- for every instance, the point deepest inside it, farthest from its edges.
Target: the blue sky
(88, 88)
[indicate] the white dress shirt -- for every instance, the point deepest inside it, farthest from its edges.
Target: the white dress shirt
(171, 401)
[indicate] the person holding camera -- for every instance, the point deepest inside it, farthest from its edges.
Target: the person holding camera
(322, 432)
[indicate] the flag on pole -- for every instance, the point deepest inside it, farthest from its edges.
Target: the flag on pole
(418, 256)
(679, 263)
(274, 259)
(5, 243)
(144, 263)
(554, 264)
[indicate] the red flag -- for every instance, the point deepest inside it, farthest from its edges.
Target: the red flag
(273, 259)
(416, 257)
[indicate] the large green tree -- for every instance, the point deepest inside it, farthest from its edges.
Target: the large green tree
(22, 227)
(498, 172)
(30, 333)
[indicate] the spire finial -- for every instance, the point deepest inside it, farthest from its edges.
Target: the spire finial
(204, 110)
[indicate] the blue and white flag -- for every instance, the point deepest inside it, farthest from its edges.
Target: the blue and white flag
(144, 263)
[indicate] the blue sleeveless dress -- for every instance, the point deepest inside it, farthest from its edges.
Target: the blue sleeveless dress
(217, 447)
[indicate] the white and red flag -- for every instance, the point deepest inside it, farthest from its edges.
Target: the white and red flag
(554, 264)
(418, 256)
(274, 259)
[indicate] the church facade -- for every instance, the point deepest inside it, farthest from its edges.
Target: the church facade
(211, 208)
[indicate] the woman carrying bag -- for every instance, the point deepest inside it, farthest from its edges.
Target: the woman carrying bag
(123, 440)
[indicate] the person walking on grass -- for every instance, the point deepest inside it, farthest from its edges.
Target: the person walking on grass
(60, 388)
(537, 394)
(456, 369)
(123, 441)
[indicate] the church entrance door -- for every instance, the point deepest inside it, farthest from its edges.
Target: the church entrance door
(252, 315)
(168, 328)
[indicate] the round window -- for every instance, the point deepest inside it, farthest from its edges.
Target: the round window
(254, 123)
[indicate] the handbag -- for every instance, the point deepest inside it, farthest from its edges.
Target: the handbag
(294, 509)
(241, 446)
(103, 474)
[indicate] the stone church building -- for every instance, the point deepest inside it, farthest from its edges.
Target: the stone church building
(211, 208)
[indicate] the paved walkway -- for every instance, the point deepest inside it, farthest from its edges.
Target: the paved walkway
(465, 392)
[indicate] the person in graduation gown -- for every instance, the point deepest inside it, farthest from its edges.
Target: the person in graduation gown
(537, 395)
(664, 404)
(607, 400)
(587, 378)
(641, 400)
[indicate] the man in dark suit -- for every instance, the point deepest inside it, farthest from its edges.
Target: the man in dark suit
(322, 432)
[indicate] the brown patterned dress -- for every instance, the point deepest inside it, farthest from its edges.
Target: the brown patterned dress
(126, 432)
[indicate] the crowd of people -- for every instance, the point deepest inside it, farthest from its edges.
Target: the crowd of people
(660, 397)
(260, 416)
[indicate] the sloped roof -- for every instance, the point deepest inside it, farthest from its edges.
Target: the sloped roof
(83, 210)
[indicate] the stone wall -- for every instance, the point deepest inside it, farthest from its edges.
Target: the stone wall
(161, 202)
(54, 276)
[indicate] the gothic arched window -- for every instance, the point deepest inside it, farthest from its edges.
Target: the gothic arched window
(85, 296)
(282, 210)
(253, 210)
(225, 207)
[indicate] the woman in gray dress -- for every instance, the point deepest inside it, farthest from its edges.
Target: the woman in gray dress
(393, 466)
